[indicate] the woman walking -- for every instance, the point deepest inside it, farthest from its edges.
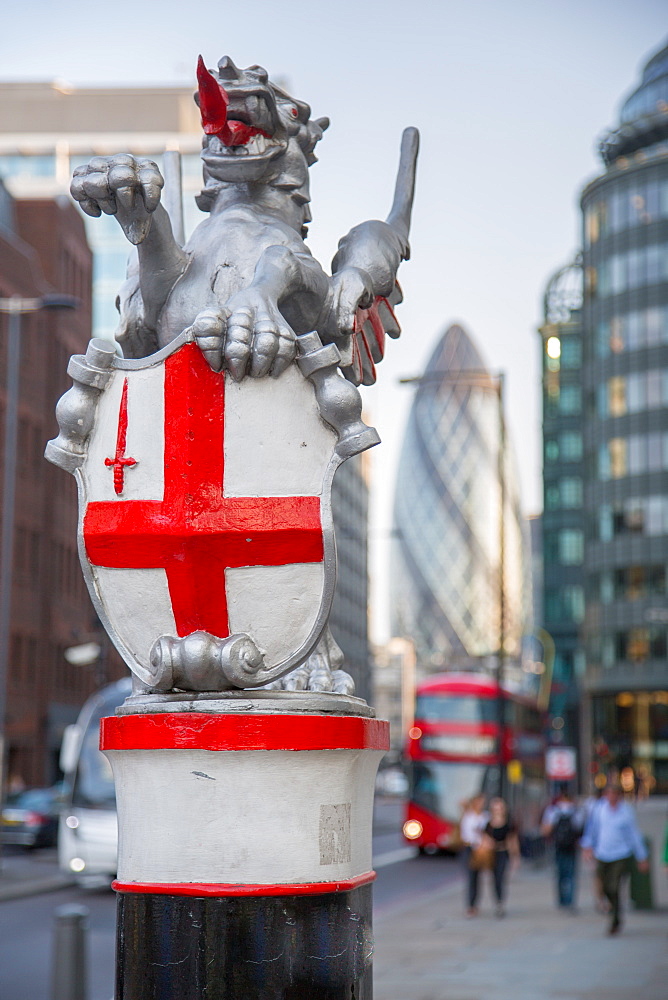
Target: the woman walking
(501, 831)
(473, 822)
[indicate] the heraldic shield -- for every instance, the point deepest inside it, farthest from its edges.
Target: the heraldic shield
(205, 521)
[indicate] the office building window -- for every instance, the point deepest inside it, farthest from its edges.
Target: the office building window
(641, 515)
(570, 491)
(640, 644)
(571, 547)
(570, 445)
(570, 399)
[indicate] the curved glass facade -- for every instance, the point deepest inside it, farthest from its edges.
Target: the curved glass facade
(563, 484)
(446, 570)
(643, 127)
(652, 94)
(625, 433)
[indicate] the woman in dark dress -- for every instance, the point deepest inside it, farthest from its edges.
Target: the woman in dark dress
(501, 830)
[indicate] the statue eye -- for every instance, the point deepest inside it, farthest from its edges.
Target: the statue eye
(294, 112)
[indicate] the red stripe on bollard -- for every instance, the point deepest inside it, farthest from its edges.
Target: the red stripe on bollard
(213, 889)
(197, 731)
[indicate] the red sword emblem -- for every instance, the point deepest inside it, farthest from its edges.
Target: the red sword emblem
(120, 459)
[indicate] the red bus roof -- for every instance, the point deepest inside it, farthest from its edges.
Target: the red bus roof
(464, 683)
(480, 685)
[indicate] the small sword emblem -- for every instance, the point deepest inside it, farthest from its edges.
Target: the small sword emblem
(120, 460)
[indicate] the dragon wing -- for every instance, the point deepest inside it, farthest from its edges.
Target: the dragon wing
(364, 276)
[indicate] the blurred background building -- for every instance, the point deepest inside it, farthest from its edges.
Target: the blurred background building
(47, 129)
(605, 424)
(43, 250)
(625, 379)
(458, 580)
(394, 691)
(563, 485)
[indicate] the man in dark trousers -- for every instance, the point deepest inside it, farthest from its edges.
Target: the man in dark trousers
(612, 837)
(564, 823)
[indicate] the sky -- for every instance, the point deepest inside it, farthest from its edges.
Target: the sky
(510, 99)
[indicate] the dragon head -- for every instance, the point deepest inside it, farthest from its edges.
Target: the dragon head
(249, 123)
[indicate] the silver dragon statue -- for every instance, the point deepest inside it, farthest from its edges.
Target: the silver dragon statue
(245, 286)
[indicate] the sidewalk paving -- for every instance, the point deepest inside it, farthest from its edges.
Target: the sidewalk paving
(427, 950)
(24, 873)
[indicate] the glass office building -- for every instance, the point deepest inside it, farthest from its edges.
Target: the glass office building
(625, 429)
(452, 592)
(563, 495)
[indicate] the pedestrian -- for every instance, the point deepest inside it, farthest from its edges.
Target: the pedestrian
(503, 833)
(473, 822)
(612, 837)
(564, 823)
(591, 803)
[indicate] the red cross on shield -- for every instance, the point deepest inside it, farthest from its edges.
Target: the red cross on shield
(220, 520)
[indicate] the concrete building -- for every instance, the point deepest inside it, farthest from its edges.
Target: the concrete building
(458, 577)
(43, 250)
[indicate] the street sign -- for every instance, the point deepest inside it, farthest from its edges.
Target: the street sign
(560, 763)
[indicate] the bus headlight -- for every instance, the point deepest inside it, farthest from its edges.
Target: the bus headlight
(72, 822)
(412, 829)
(77, 864)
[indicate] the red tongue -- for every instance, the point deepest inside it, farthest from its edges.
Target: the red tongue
(213, 102)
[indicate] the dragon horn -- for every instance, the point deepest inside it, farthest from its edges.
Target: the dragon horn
(400, 213)
(213, 101)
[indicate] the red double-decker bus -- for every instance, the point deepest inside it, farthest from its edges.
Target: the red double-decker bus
(453, 754)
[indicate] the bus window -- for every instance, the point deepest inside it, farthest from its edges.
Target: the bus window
(441, 708)
(442, 788)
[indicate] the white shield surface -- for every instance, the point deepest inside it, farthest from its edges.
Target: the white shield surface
(205, 505)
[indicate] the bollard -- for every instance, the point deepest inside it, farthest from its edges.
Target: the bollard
(69, 953)
(244, 865)
(244, 767)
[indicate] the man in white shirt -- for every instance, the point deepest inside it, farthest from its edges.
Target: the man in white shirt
(612, 837)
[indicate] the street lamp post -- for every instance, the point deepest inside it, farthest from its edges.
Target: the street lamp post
(14, 308)
(501, 665)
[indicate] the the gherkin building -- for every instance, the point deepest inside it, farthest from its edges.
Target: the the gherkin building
(451, 591)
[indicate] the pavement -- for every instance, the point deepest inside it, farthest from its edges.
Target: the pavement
(28, 873)
(426, 949)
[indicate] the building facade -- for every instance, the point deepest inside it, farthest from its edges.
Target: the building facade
(614, 548)
(625, 379)
(563, 522)
(48, 129)
(458, 584)
(43, 250)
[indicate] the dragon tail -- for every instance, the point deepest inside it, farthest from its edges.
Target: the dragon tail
(400, 213)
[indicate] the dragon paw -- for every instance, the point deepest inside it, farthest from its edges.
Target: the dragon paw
(125, 186)
(248, 336)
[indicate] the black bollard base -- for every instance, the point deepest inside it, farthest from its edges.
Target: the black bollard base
(277, 947)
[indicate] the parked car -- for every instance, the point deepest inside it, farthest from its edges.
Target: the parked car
(30, 818)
